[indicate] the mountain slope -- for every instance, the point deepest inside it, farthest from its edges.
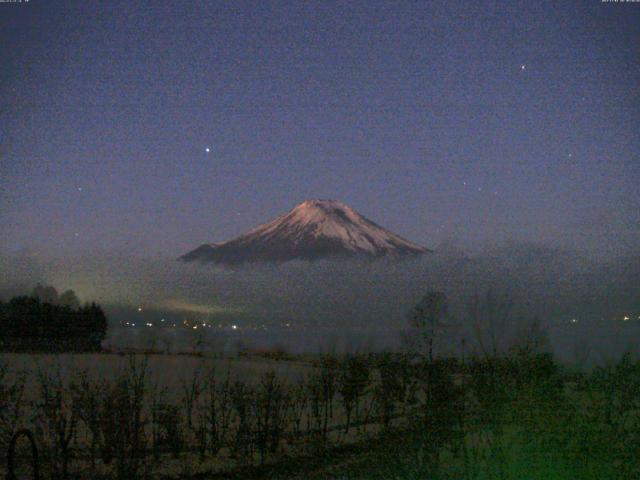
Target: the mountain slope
(313, 229)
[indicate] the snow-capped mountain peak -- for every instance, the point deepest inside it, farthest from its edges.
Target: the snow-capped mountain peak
(313, 229)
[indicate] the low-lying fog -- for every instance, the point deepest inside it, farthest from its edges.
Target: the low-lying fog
(590, 307)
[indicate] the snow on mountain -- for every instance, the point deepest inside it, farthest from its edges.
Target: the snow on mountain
(313, 229)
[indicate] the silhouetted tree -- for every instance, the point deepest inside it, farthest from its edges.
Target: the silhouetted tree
(45, 293)
(427, 320)
(489, 317)
(28, 323)
(353, 378)
(69, 299)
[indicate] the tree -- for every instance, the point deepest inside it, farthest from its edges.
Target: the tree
(427, 320)
(437, 416)
(27, 323)
(97, 325)
(69, 299)
(46, 294)
(489, 317)
(532, 337)
(353, 378)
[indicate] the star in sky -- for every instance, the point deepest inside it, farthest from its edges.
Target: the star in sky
(207, 149)
(523, 67)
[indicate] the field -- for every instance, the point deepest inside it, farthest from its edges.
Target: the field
(59, 395)
(165, 371)
(354, 416)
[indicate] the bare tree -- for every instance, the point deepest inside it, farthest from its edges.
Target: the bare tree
(427, 321)
(191, 393)
(270, 407)
(217, 410)
(123, 419)
(87, 402)
(57, 420)
(489, 317)
(353, 378)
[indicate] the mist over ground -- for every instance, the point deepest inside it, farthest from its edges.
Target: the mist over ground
(581, 301)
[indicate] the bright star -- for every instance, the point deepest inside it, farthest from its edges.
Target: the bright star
(207, 149)
(523, 67)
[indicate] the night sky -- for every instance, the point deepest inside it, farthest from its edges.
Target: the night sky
(479, 122)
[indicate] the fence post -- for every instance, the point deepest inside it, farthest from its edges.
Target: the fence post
(12, 450)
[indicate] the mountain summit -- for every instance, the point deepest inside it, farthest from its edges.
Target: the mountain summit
(314, 229)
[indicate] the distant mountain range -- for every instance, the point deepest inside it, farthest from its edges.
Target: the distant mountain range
(314, 229)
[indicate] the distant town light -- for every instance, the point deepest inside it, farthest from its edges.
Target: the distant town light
(234, 327)
(574, 320)
(139, 309)
(625, 318)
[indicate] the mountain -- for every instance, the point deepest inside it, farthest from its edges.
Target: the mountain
(312, 230)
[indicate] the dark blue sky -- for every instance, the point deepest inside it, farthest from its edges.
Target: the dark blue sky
(481, 121)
